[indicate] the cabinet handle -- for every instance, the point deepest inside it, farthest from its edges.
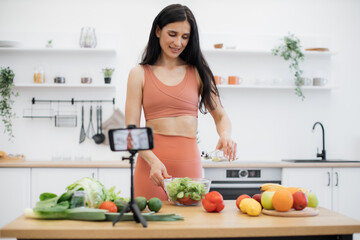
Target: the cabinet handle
(337, 179)
(328, 178)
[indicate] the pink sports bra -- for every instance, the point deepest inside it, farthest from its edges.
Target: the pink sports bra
(160, 100)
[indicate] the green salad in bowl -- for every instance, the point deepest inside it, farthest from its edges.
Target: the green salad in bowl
(186, 191)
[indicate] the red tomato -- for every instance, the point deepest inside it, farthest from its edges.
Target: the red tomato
(208, 205)
(213, 202)
(214, 197)
(109, 205)
(187, 201)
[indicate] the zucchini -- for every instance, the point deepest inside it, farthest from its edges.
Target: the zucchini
(86, 214)
(150, 216)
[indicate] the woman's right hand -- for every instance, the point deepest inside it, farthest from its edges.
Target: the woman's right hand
(158, 173)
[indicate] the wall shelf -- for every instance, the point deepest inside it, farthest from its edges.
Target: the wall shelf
(316, 88)
(262, 52)
(48, 85)
(59, 50)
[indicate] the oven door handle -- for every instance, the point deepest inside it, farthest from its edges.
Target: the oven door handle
(236, 185)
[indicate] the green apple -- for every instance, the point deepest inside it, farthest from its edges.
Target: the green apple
(313, 200)
(266, 200)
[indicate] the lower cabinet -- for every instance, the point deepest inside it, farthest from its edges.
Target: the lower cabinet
(118, 177)
(55, 180)
(15, 193)
(336, 188)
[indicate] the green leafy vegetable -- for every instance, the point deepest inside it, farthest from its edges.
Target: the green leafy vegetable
(185, 187)
(112, 195)
(45, 196)
(95, 192)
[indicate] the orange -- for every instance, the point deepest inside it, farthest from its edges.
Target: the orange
(293, 190)
(241, 197)
(282, 200)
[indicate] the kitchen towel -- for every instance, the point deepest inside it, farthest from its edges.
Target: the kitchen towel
(116, 120)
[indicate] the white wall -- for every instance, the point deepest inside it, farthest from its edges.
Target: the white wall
(267, 124)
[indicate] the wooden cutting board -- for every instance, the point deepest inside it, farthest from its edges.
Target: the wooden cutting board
(7, 158)
(306, 212)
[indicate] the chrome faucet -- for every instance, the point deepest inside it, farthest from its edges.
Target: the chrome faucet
(323, 152)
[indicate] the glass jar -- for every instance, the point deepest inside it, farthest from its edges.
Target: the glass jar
(87, 37)
(39, 75)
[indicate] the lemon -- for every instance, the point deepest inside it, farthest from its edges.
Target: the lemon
(244, 203)
(253, 208)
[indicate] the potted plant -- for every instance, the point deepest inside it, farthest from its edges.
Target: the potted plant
(108, 72)
(6, 102)
(290, 50)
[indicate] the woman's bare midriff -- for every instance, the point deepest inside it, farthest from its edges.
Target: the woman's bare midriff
(174, 126)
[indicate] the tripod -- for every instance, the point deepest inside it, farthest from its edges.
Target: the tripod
(132, 205)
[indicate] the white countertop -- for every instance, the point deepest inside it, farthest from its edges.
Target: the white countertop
(206, 164)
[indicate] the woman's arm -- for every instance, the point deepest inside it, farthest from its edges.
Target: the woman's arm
(223, 127)
(132, 116)
(223, 124)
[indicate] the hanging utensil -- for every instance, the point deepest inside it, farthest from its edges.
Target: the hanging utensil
(99, 137)
(90, 131)
(82, 130)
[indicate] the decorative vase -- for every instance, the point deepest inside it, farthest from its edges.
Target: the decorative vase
(107, 80)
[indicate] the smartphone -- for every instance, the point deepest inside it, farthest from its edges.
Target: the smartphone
(126, 139)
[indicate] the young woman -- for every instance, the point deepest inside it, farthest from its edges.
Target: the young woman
(172, 83)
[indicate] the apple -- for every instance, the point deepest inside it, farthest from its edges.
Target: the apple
(240, 198)
(300, 200)
(312, 200)
(266, 200)
(257, 197)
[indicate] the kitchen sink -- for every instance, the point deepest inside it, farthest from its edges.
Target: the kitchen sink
(320, 161)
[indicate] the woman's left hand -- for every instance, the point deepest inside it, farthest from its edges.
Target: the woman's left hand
(228, 146)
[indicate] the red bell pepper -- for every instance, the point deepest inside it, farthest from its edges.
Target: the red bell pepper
(213, 202)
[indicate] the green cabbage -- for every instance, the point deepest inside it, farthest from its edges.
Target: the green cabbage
(95, 192)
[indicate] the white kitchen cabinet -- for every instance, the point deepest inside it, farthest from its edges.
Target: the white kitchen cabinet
(336, 188)
(55, 180)
(346, 191)
(118, 177)
(317, 180)
(15, 193)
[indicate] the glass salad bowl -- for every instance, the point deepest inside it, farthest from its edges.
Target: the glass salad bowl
(186, 191)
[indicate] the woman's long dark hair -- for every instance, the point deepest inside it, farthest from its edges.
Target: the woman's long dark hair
(191, 55)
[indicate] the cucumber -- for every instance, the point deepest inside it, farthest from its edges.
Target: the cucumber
(86, 214)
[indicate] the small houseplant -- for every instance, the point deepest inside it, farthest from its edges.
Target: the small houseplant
(108, 72)
(290, 50)
(6, 101)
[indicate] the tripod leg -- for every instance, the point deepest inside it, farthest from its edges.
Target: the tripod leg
(127, 208)
(137, 214)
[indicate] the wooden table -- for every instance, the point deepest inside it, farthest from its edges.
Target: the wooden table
(230, 223)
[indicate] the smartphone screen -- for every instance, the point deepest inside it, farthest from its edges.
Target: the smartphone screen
(125, 139)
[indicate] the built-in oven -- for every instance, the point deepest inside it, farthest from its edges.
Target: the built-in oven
(232, 182)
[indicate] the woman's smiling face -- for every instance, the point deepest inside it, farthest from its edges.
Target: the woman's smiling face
(174, 38)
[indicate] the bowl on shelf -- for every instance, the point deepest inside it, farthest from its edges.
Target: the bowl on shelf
(186, 191)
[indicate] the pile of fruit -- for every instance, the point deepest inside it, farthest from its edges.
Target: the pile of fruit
(277, 197)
